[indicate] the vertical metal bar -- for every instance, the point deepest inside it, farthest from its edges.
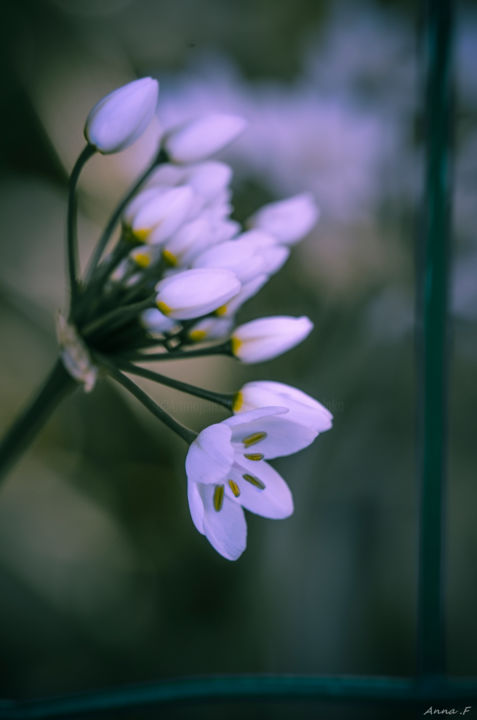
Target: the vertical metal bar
(432, 318)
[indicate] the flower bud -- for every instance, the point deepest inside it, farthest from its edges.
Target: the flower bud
(120, 118)
(194, 293)
(302, 408)
(197, 140)
(268, 337)
(241, 257)
(288, 220)
(156, 322)
(162, 214)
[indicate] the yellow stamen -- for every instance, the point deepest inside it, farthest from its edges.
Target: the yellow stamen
(142, 259)
(237, 402)
(221, 310)
(254, 456)
(254, 481)
(254, 438)
(197, 335)
(235, 488)
(236, 344)
(169, 258)
(163, 307)
(141, 234)
(218, 497)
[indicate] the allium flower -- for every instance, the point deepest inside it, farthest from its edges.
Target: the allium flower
(302, 409)
(193, 293)
(162, 214)
(288, 220)
(268, 337)
(199, 139)
(226, 472)
(120, 118)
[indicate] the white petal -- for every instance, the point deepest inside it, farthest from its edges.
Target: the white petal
(211, 328)
(120, 118)
(235, 255)
(226, 529)
(193, 293)
(273, 501)
(156, 322)
(248, 290)
(163, 214)
(303, 409)
(197, 140)
(196, 505)
(210, 455)
(288, 220)
(209, 179)
(266, 338)
(168, 175)
(281, 435)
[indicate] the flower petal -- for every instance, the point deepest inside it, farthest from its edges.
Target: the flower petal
(210, 455)
(193, 293)
(267, 337)
(198, 139)
(272, 434)
(274, 500)
(225, 529)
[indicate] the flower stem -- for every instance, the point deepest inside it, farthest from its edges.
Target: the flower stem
(222, 349)
(226, 400)
(71, 221)
(58, 384)
(113, 220)
(183, 432)
(120, 314)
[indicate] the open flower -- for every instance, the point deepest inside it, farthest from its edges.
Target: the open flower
(302, 408)
(120, 118)
(198, 139)
(226, 472)
(268, 337)
(193, 293)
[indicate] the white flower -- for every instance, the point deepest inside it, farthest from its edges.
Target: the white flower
(209, 179)
(198, 139)
(120, 118)
(287, 220)
(226, 472)
(211, 328)
(192, 293)
(242, 257)
(268, 337)
(302, 408)
(161, 214)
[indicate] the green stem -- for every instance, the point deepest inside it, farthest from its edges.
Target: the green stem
(120, 314)
(432, 316)
(71, 221)
(226, 400)
(114, 219)
(58, 384)
(183, 432)
(222, 349)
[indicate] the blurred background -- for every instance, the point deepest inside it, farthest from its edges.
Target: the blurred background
(103, 578)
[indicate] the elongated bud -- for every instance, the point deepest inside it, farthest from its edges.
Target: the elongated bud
(197, 140)
(162, 214)
(194, 293)
(120, 118)
(302, 408)
(266, 338)
(288, 220)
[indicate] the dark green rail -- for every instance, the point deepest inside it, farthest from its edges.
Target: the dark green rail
(430, 686)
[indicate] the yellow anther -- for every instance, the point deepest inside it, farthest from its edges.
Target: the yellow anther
(254, 456)
(163, 307)
(221, 310)
(254, 438)
(141, 234)
(197, 335)
(235, 488)
(237, 402)
(142, 259)
(218, 497)
(169, 258)
(236, 344)
(254, 481)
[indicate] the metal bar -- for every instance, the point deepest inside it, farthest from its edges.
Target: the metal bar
(376, 690)
(432, 317)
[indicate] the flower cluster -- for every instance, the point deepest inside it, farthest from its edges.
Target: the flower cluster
(170, 287)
